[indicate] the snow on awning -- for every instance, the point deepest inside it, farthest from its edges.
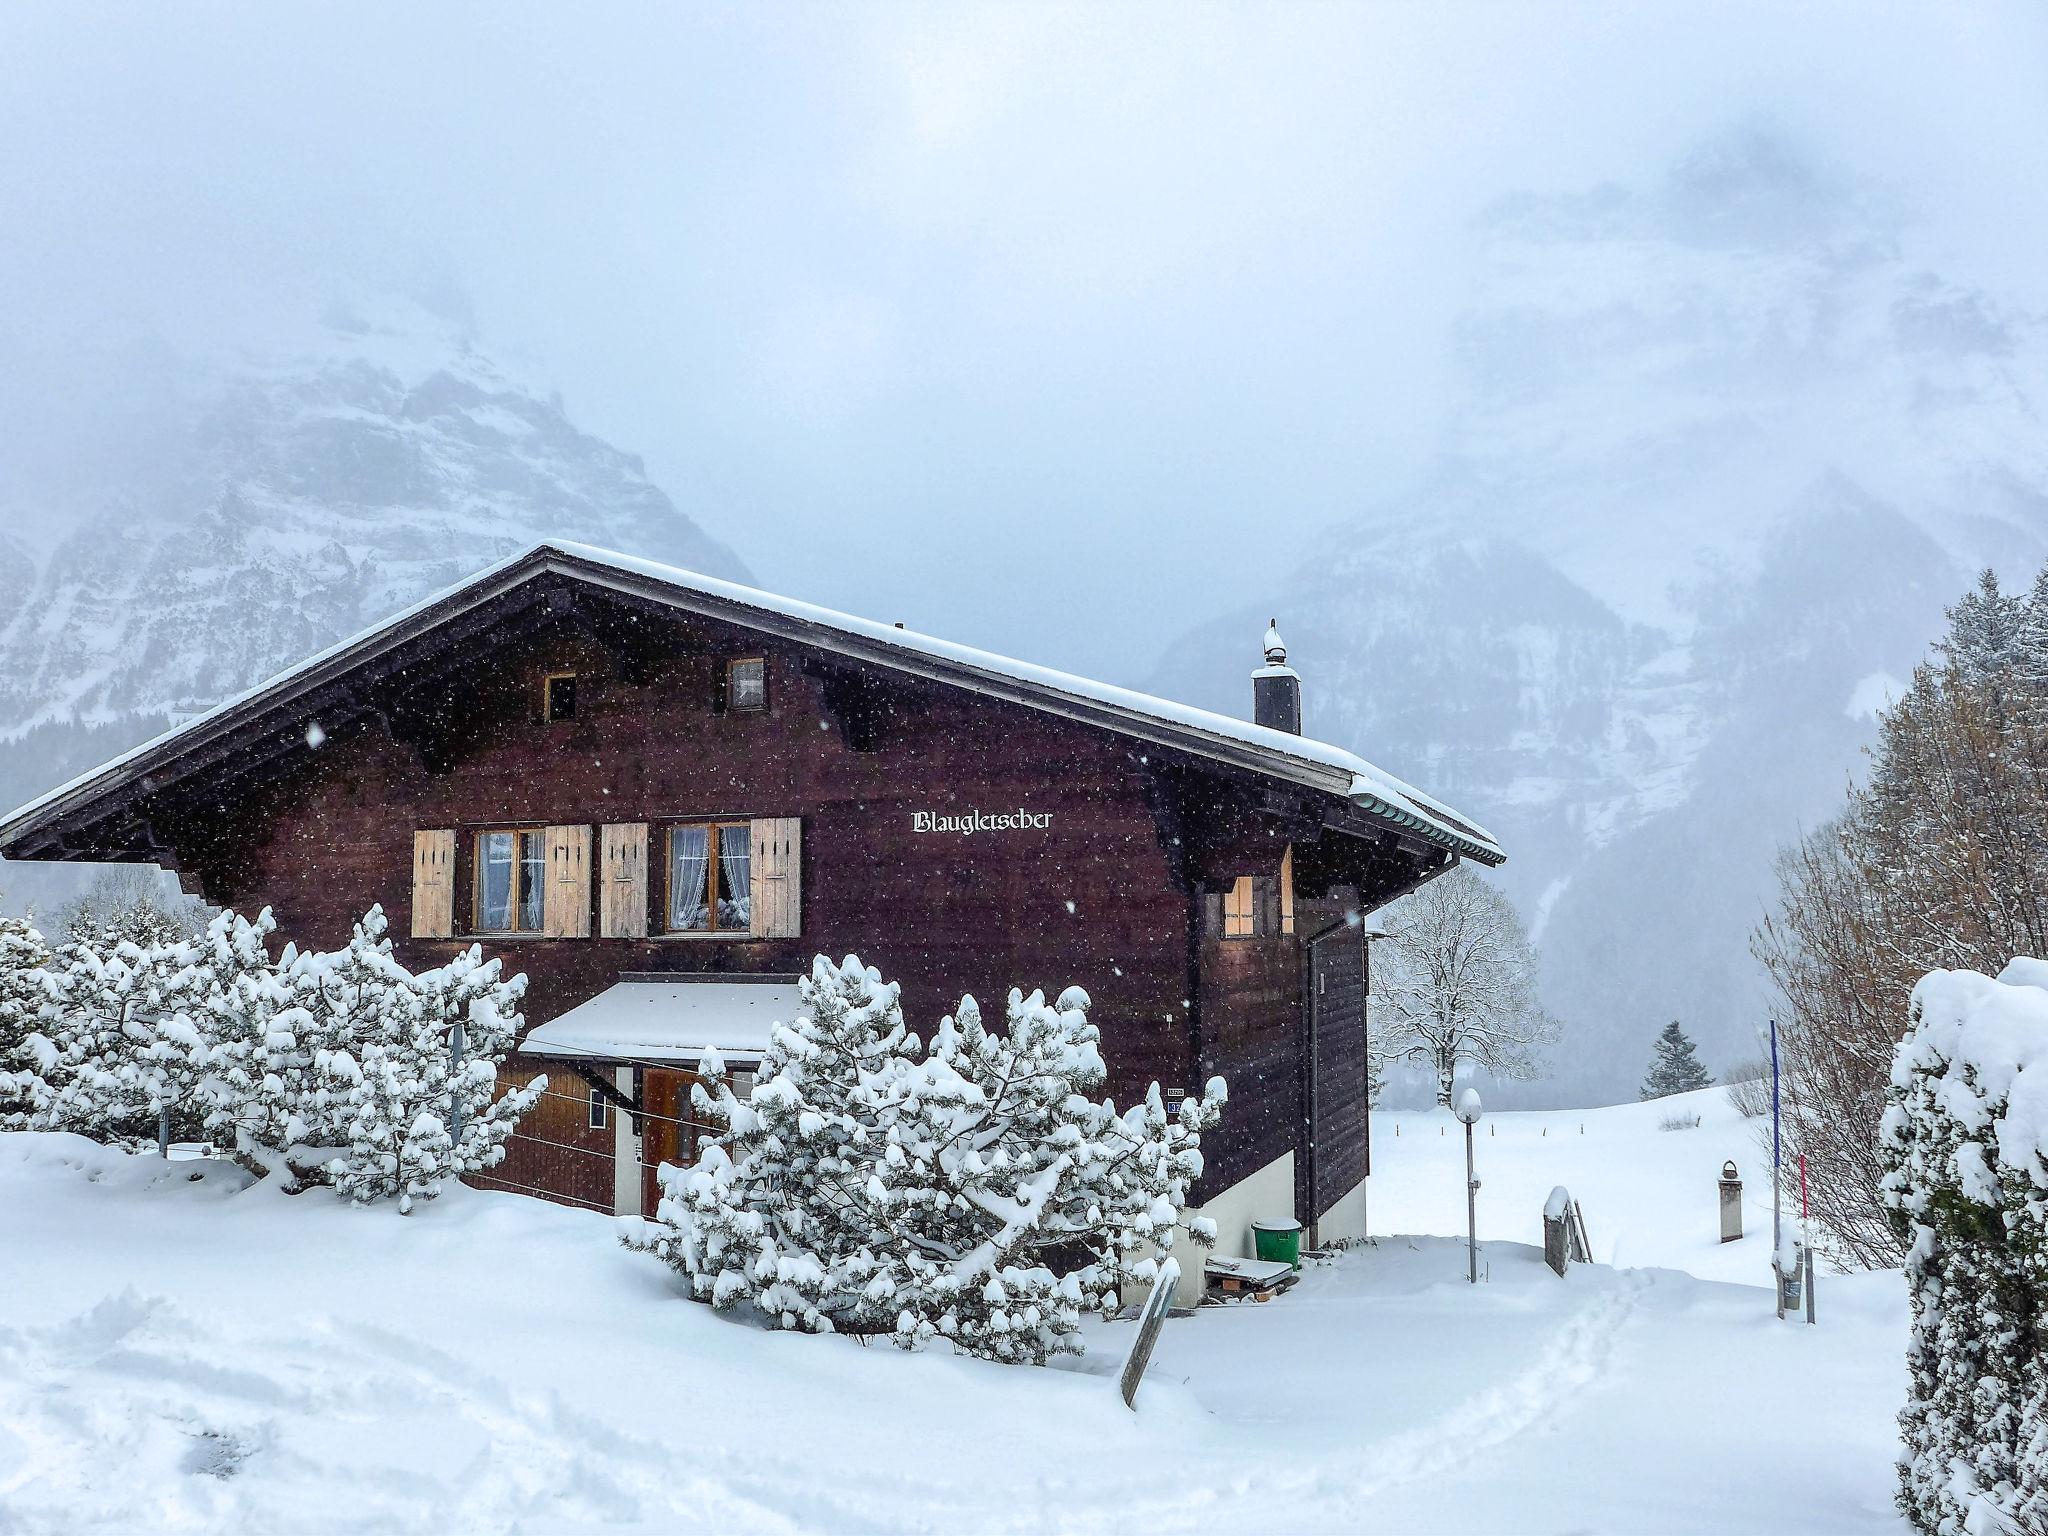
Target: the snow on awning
(670, 1017)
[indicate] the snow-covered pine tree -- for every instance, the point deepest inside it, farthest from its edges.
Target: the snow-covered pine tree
(777, 1211)
(266, 1101)
(1674, 1066)
(118, 1053)
(1983, 638)
(394, 1092)
(1965, 1154)
(23, 958)
(974, 1191)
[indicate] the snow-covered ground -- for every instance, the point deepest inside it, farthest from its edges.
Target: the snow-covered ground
(179, 1353)
(1651, 1196)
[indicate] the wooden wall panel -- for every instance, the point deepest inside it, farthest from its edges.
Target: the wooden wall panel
(1091, 899)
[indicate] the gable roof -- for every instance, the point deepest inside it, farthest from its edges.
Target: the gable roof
(1202, 733)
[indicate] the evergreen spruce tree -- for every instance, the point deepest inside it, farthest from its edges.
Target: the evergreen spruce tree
(1984, 631)
(1674, 1067)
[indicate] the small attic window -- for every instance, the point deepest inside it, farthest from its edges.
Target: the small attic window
(558, 696)
(746, 684)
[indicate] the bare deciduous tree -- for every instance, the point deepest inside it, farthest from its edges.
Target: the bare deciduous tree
(1940, 860)
(1455, 981)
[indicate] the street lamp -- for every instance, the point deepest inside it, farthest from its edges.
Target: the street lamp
(1468, 1111)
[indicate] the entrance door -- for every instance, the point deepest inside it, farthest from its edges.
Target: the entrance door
(669, 1128)
(1335, 1108)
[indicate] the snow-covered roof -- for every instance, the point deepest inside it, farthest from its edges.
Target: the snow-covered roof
(1255, 747)
(671, 1018)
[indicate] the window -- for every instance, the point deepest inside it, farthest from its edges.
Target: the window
(558, 696)
(511, 881)
(746, 684)
(710, 878)
(600, 1110)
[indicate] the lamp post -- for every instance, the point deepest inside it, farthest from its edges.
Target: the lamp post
(1469, 1111)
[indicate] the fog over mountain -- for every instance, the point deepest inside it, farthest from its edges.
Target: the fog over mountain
(290, 498)
(1720, 458)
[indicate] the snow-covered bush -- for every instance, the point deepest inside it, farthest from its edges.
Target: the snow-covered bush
(117, 1049)
(406, 1114)
(318, 1068)
(24, 957)
(1965, 1147)
(972, 1191)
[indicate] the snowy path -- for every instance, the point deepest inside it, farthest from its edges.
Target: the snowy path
(176, 1356)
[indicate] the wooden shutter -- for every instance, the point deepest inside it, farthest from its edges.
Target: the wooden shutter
(566, 906)
(777, 853)
(1239, 909)
(1287, 890)
(623, 910)
(433, 884)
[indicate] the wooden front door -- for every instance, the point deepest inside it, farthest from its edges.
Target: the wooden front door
(670, 1129)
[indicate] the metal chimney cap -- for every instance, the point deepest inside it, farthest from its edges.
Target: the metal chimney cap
(1276, 648)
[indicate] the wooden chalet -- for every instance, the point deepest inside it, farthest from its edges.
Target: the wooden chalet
(660, 795)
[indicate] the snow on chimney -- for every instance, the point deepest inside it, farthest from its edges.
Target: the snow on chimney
(1276, 687)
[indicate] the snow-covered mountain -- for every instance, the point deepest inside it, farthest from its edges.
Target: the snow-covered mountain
(296, 498)
(1721, 456)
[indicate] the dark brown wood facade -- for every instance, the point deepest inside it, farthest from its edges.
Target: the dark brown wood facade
(1122, 891)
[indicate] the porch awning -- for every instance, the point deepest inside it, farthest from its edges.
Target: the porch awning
(670, 1017)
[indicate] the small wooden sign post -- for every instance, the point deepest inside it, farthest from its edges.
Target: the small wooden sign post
(1150, 1320)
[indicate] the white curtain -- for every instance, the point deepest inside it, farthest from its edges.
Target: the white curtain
(689, 861)
(497, 882)
(735, 877)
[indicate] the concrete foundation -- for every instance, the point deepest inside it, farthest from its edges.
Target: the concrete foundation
(1267, 1195)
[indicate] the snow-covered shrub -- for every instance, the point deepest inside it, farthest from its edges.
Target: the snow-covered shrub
(405, 1114)
(1965, 1147)
(318, 1068)
(23, 958)
(117, 1047)
(972, 1191)
(1683, 1122)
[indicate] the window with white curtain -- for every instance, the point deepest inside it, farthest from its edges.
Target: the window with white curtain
(710, 877)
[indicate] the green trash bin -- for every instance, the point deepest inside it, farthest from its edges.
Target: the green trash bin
(1278, 1242)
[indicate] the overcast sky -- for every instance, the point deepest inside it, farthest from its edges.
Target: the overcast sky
(941, 312)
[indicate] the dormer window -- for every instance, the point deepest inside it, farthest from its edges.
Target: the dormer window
(558, 697)
(746, 684)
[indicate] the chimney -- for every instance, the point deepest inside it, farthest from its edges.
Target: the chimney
(1276, 687)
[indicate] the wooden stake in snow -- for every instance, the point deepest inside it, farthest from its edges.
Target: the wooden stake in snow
(1150, 1321)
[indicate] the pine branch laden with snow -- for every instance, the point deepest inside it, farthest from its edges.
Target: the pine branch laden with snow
(315, 1068)
(1964, 1141)
(1674, 1066)
(972, 1191)
(1455, 984)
